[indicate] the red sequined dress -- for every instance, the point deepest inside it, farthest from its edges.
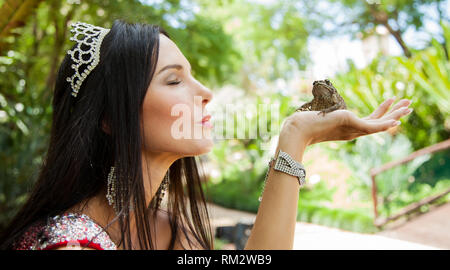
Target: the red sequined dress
(69, 229)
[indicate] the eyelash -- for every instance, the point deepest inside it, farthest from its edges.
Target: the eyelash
(174, 83)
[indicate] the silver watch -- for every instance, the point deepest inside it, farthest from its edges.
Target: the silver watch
(285, 163)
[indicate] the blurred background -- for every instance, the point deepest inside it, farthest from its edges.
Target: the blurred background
(387, 190)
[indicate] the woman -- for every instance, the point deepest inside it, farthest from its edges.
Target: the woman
(112, 152)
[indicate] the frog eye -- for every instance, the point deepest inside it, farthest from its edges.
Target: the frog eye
(327, 81)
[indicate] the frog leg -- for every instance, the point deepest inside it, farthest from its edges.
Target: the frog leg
(304, 107)
(330, 109)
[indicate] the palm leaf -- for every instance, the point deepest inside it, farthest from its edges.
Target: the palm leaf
(13, 14)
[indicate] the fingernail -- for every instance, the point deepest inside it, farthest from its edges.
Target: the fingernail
(395, 123)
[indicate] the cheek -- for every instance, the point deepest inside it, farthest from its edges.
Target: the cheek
(158, 121)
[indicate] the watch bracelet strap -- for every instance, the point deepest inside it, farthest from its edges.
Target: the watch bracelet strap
(285, 163)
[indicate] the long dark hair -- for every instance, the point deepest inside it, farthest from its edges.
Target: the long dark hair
(81, 153)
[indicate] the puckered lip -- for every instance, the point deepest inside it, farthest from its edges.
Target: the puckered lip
(206, 118)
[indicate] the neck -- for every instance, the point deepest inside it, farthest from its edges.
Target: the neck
(154, 168)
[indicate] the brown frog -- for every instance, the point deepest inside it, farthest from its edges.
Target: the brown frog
(326, 99)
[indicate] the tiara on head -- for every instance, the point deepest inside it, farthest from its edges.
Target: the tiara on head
(86, 52)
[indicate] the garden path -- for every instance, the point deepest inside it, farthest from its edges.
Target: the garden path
(431, 228)
(316, 237)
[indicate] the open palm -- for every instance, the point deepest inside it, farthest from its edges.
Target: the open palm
(345, 125)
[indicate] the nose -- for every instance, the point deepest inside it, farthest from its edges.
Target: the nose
(205, 93)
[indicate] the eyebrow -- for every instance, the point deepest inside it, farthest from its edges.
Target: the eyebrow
(176, 66)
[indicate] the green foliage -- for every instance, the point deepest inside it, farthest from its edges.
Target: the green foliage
(417, 192)
(375, 150)
(429, 70)
(356, 220)
(396, 187)
(314, 207)
(317, 193)
(219, 244)
(277, 27)
(423, 78)
(410, 14)
(397, 16)
(200, 40)
(272, 37)
(22, 139)
(431, 172)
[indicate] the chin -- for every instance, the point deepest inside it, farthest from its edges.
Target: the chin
(201, 147)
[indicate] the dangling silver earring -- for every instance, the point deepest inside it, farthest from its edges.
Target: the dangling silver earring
(162, 190)
(111, 188)
(111, 191)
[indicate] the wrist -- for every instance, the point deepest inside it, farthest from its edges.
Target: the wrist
(292, 139)
(294, 147)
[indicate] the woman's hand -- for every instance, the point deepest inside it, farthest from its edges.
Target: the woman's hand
(342, 124)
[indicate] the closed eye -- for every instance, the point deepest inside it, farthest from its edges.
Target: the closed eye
(173, 83)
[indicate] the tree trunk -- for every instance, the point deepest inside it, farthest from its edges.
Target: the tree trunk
(60, 38)
(398, 37)
(381, 17)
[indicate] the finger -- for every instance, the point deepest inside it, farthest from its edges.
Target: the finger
(382, 109)
(372, 126)
(401, 103)
(397, 114)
